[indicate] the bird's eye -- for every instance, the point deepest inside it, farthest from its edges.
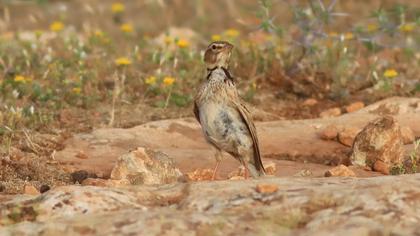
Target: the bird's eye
(213, 47)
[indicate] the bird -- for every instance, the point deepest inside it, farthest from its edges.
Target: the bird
(225, 120)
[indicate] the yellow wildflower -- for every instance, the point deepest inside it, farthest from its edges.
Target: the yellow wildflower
(76, 90)
(168, 81)
(372, 27)
(332, 34)
(150, 80)
(406, 28)
(57, 26)
(348, 36)
(254, 85)
(182, 43)
(390, 73)
(127, 28)
(269, 37)
(232, 33)
(20, 79)
(117, 7)
(216, 37)
(99, 33)
(168, 39)
(123, 61)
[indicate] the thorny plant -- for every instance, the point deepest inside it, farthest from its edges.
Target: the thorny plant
(411, 164)
(318, 48)
(415, 155)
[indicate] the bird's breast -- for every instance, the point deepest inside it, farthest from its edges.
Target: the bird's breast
(223, 124)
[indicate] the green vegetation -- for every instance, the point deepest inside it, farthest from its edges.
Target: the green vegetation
(68, 64)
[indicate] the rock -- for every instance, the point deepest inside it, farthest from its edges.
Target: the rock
(105, 182)
(304, 173)
(266, 188)
(239, 173)
(145, 166)
(354, 107)
(407, 135)
(270, 168)
(310, 102)
(79, 176)
(96, 182)
(30, 190)
(81, 155)
(329, 133)
(347, 136)
(380, 140)
(330, 112)
(300, 206)
(44, 188)
(381, 166)
(200, 175)
(237, 177)
(341, 170)
(182, 140)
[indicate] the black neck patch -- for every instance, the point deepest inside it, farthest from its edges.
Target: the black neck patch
(226, 71)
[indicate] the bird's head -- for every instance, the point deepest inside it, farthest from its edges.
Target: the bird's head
(218, 54)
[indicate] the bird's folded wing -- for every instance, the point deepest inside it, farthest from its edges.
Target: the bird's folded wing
(247, 118)
(196, 112)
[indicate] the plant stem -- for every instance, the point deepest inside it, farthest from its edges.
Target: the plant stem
(167, 98)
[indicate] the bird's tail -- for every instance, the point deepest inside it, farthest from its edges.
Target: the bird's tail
(255, 173)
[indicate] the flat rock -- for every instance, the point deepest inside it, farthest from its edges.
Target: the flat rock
(329, 133)
(31, 190)
(332, 112)
(267, 206)
(354, 107)
(310, 102)
(340, 170)
(293, 146)
(347, 136)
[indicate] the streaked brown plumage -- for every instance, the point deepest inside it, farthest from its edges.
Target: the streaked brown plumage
(226, 122)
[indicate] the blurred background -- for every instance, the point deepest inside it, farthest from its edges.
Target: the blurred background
(71, 66)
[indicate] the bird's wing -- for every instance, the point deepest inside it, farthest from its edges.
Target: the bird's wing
(198, 98)
(196, 112)
(247, 118)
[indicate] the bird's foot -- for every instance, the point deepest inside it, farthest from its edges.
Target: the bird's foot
(213, 177)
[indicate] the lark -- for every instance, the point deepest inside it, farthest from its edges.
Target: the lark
(225, 121)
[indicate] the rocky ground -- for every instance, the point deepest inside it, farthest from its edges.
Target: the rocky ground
(293, 145)
(270, 206)
(152, 179)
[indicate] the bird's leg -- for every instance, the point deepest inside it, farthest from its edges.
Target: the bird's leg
(246, 170)
(218, 156)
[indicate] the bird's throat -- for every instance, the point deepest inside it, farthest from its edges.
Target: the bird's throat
(225, 70)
